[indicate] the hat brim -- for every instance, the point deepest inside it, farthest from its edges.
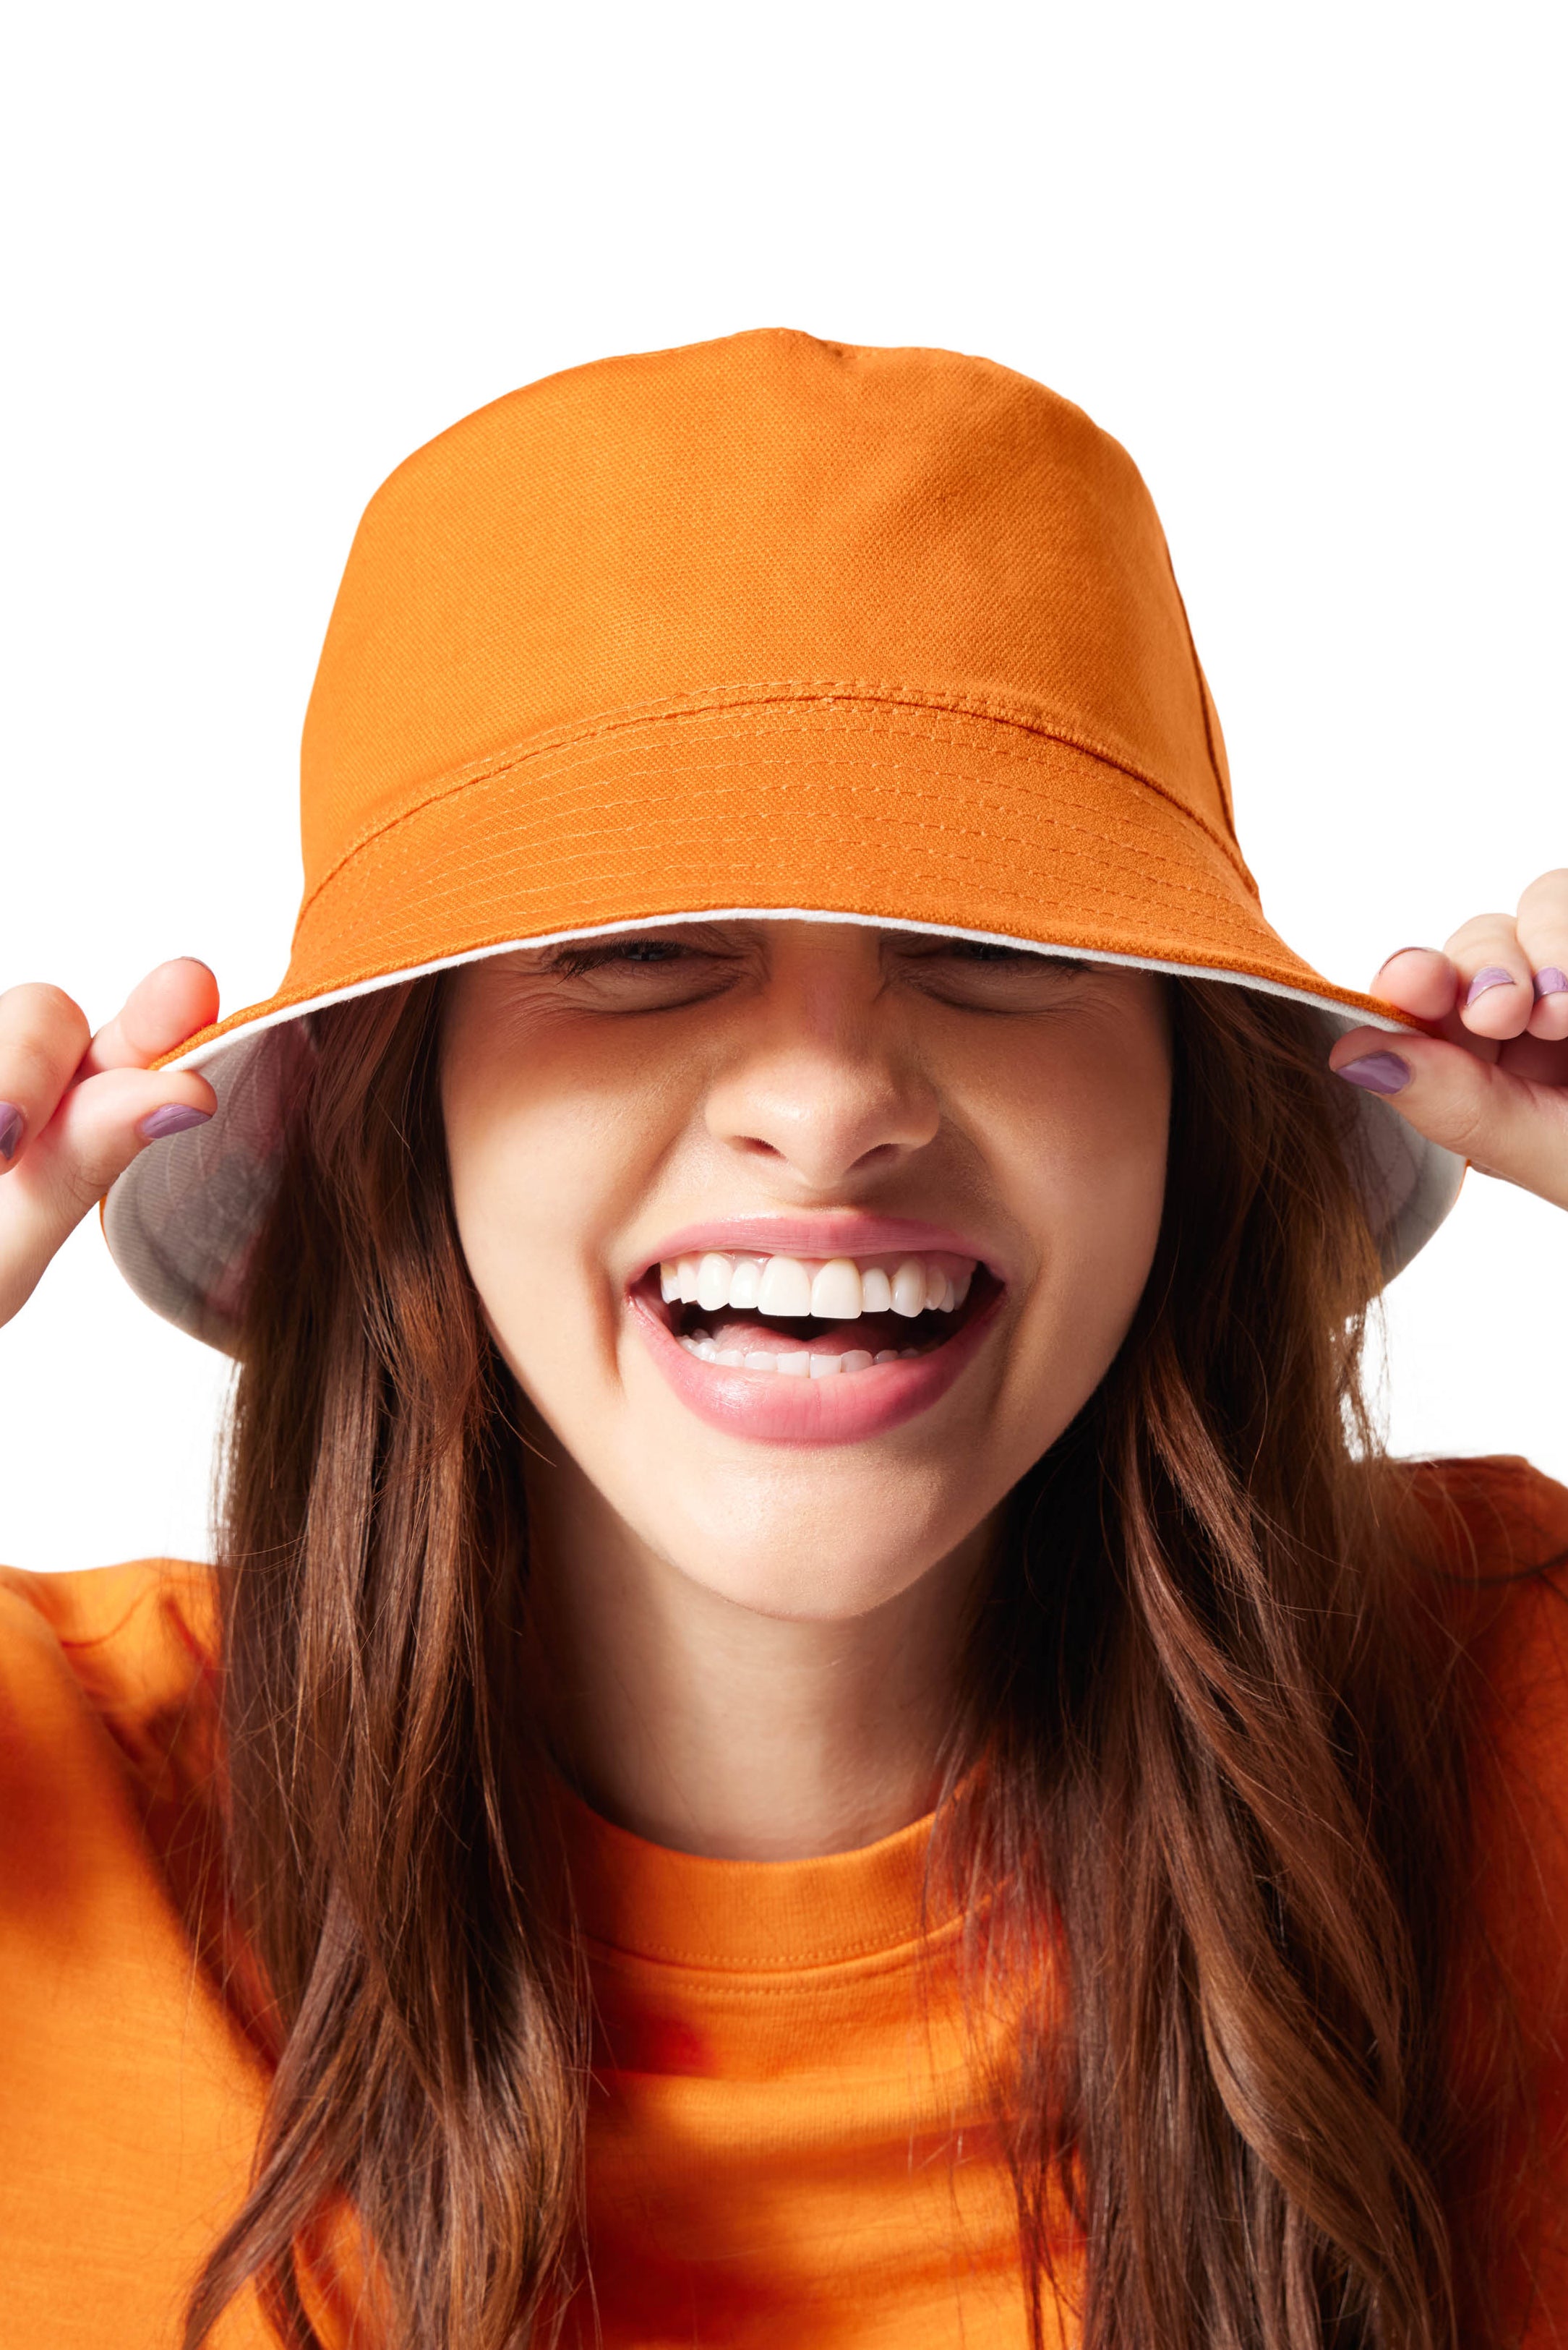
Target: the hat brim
(842, 806)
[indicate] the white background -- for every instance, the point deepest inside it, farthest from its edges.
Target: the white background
(1306, 263)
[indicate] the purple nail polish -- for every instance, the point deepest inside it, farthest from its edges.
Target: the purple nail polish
(12, 1121)
(1378, 1073)
(174, 1118)
(1552, 982)
(1493, 976)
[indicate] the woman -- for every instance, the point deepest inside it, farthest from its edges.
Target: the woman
(818, 1720)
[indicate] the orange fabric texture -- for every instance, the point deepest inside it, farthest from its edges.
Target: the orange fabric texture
(785, 2144)
(770, 623)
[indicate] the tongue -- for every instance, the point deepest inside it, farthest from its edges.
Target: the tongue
(871, 1333)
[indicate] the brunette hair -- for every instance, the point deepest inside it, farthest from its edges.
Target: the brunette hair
(1221, 1719)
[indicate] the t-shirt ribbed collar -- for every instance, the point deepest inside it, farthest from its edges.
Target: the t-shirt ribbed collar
(646, 1900)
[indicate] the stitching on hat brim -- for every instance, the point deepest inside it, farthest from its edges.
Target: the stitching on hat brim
(1179, 873)
(825, 693)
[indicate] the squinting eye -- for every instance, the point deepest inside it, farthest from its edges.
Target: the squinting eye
(573, 962)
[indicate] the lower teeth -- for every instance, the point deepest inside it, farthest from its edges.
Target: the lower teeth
(800, 1366)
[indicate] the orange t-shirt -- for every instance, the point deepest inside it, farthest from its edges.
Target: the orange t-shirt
(786, 2144)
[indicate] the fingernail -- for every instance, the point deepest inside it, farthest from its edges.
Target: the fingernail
(1377, 1073)
(1552, 982)
(1493, 976)
(173, 1118)
(12, 1121)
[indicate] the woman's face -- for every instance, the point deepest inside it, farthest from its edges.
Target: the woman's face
(905, 1191)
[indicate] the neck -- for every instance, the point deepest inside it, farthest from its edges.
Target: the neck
(706, 1726)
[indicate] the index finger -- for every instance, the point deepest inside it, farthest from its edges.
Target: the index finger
(162, 1010)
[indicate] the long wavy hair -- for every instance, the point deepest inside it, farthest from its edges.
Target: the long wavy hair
(1223, 1715)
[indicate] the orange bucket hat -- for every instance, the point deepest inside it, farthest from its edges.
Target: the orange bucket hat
(762, 626)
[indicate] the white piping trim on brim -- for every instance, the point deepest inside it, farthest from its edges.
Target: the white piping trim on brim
(1351, 1015)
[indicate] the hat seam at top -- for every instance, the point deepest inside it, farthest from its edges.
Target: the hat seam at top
(800, 692)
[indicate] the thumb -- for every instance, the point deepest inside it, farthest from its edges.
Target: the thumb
(1505, 1123)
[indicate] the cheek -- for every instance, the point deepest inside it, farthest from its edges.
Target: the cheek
(539, 1175)
(1088, 1182)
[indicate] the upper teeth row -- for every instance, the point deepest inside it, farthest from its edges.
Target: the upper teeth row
(838, 1290)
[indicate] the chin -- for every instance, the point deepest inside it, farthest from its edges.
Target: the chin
(829, 1564)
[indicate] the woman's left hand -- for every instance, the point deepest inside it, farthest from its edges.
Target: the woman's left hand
(1492, 1083)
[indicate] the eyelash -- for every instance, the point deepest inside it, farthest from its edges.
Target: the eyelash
(576, 963)
(572, 962)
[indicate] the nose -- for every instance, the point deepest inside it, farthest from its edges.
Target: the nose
(826, 1078)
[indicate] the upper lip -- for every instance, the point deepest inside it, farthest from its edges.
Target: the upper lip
(829, 1234)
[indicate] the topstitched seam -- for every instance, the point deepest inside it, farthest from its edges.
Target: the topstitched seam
(1104, 887)
(961, 837)
(555, 785)
(775, 1978)
(503, 763)
(709, 701)
(911, 795)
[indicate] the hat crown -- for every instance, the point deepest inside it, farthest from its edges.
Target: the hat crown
(767, 512)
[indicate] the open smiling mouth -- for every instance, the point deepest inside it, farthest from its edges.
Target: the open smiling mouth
(815, 1318)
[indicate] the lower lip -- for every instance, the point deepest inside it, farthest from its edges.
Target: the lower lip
(777, 1410)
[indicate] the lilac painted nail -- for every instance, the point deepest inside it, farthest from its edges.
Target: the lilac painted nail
(12, 1121)
(1552, 982)
(1493, 976)
(174, 1118)
(1378, 1073)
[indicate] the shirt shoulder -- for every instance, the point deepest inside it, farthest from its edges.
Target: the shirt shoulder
(1500, 1548)
(131, 2082)
(1502, 1554)
(125, 1653)
(1496, 1515)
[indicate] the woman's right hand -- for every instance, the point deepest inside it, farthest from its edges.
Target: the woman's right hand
(75, 1109)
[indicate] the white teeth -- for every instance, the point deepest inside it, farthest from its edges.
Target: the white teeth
(713, 1272)
(888, 1354)
(836, 1293)
(857, 1359)
(909, 1288)
(785, 1287)
(796, 1367)
(827, 1366)
(762, 1362)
